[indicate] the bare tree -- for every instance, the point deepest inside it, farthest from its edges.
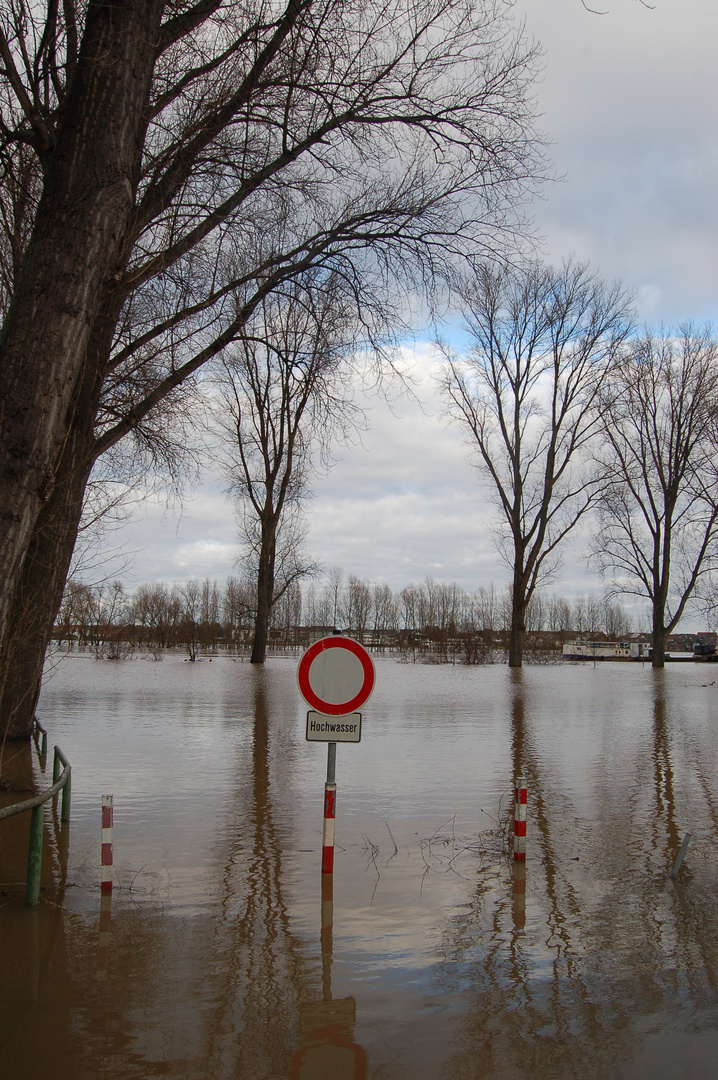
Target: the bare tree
(526, 393)
(486, 608)
(594, 614)
(385, 611)
(165, 166)
(358, 606)
(659, 515)
(334, 587)
(189, 607)
(537, 613)
(559, 615)
(287, 614)
(210, 602)
(409, 598)
(155, 610)
(617, 623)
(75, 615)
(317, 606)
(237, 606)
(111, 616)
(286, 391)
(579, 614)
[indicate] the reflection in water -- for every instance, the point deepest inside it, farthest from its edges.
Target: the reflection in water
(519, 891)
(265, 977)
(262, 977)
(518, 736)
(328, 1050)
(567, 1016)
(214, 969)
(550, 1027)
(665, 816)
(105, 936)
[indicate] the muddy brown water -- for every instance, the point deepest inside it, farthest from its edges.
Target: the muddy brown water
(220, 956)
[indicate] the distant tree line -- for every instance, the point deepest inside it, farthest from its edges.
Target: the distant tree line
(432, 620)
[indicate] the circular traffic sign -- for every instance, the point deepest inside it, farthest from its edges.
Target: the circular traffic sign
(336, 675)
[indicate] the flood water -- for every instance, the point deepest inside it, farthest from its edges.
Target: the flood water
(223, 955)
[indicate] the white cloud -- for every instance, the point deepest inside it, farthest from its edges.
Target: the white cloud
(405, 503)
(628, 100)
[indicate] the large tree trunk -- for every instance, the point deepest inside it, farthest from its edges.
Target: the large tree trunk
(265, 592)
(39, 592)
(658, 659)
(518, 622)
(37, 600)
(41, 585)
(68, 272)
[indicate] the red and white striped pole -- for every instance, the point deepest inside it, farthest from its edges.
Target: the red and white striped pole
(519, 877)
(520, 800)
(330, 805)
(107, 825)
(327, 934)
(103, 944)
(103, 951)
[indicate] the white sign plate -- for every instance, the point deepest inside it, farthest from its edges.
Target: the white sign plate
(323, 728)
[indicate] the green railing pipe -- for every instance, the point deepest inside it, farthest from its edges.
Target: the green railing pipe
(61, 782)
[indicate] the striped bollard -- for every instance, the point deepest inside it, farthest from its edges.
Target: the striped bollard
(519, 907)
(330, 805)
(107, 824)
(327, 934)
(520, 800)
(103, 944)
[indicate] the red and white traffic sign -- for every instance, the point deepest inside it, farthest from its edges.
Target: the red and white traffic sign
(336, 675)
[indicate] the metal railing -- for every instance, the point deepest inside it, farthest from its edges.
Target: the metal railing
(61, 781)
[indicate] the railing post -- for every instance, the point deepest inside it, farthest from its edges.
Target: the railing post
(57, 768)
(66, 795)
(34, 857)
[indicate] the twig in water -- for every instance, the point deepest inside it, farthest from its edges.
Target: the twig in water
(136, 876)
(396, 849)
(372, 850)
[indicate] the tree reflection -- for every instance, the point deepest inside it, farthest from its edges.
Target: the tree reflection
(606, 939)
(260, 975)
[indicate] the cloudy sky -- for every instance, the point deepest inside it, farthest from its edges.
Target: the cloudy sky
(627, 103)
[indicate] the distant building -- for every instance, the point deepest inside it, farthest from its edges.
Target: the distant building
(606, 650)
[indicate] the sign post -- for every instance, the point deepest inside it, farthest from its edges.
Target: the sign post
(336, 677)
